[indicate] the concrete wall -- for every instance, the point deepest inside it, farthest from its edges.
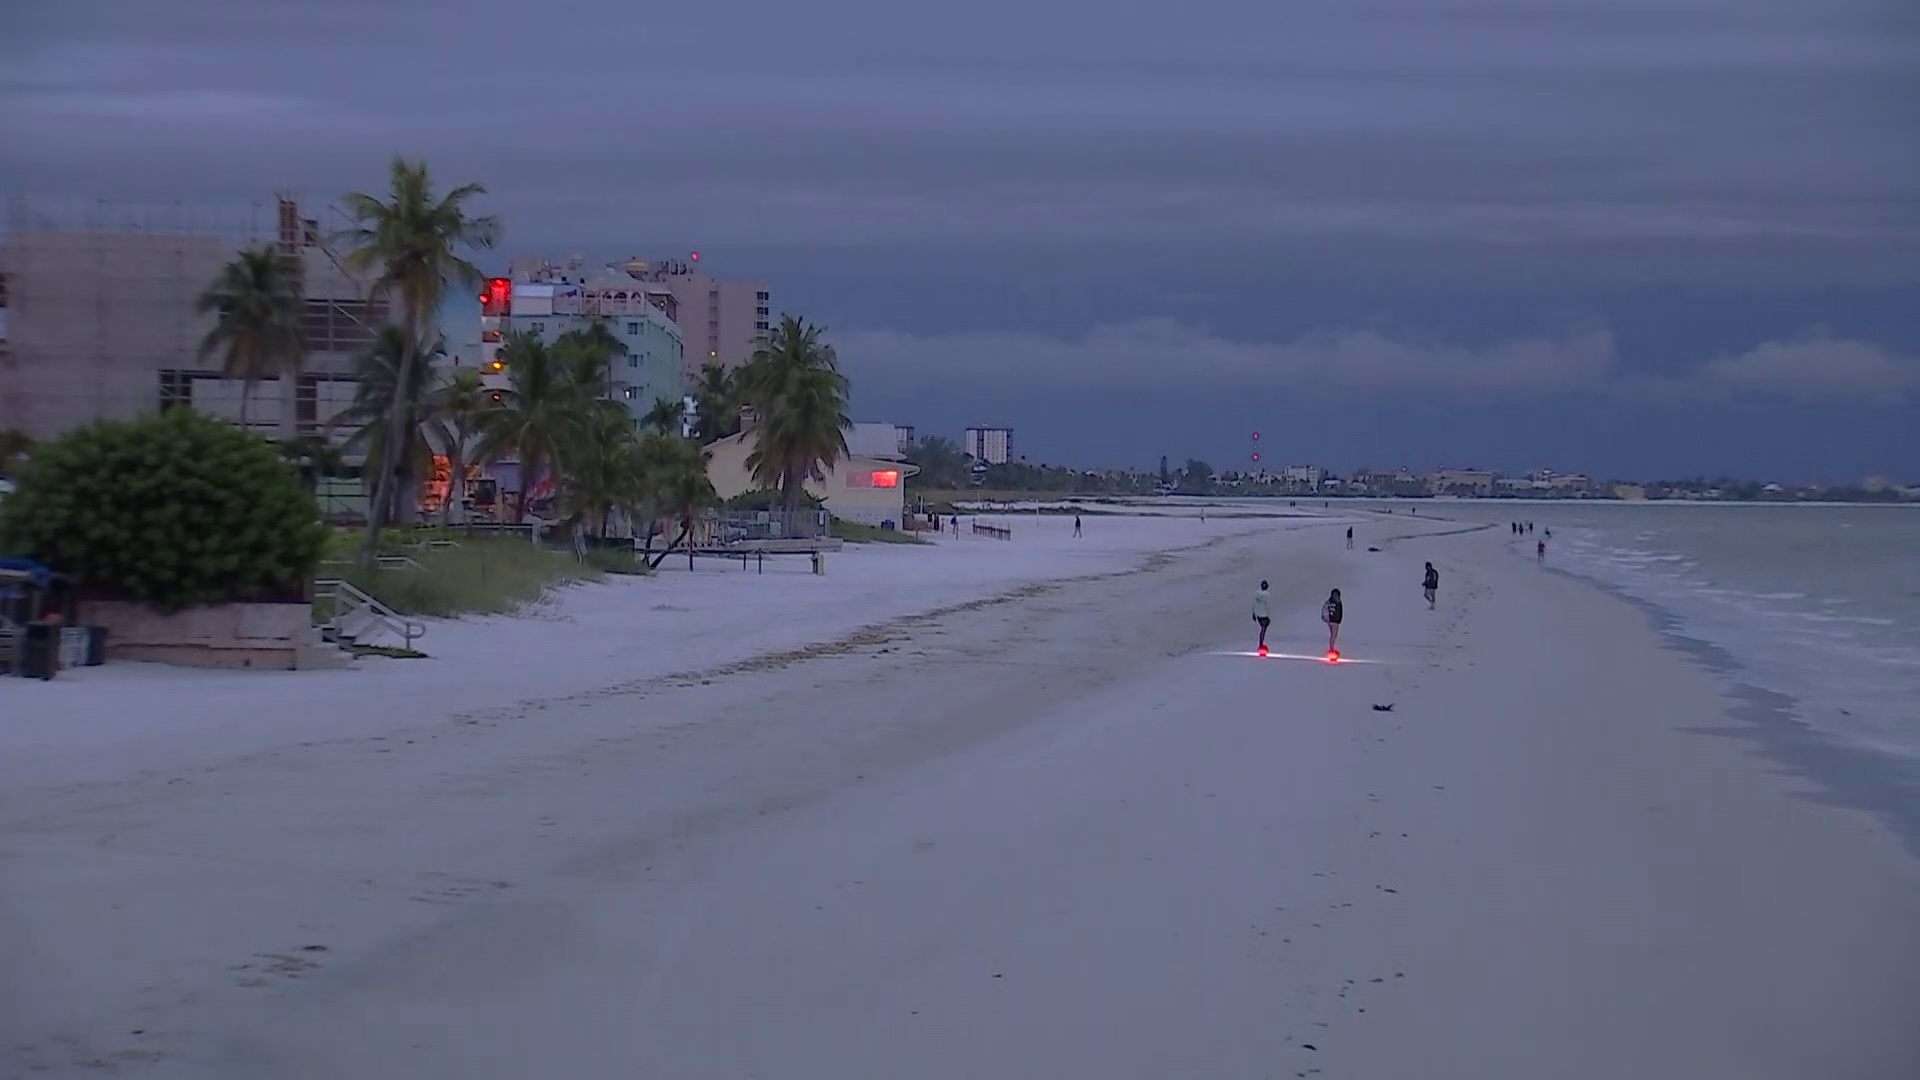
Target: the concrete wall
(273, 636)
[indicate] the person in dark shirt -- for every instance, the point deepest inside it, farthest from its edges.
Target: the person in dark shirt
(1349, 538)
(1331, 613)
(1431, 584)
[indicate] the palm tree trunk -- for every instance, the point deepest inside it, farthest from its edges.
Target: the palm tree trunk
(246, 392)
(401, 412)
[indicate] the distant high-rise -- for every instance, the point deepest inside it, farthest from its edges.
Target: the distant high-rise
(719, 320)
(992, 445)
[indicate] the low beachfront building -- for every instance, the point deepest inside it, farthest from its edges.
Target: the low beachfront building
(868, 487)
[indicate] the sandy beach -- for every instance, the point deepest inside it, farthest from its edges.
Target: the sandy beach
(977, 810)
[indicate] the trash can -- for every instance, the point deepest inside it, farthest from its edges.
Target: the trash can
(39, 651)
(96, 646)
(819, 562)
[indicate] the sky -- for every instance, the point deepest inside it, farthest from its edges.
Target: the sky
(1627, 237)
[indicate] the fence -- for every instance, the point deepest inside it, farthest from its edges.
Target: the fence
(729, 527)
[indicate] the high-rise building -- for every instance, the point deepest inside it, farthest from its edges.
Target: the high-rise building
(903, 437)
(722, 320)
(992, 445)
(547, 302)
(719, 320)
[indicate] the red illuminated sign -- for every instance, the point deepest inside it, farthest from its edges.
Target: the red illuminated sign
(887, 478)
(498, 298)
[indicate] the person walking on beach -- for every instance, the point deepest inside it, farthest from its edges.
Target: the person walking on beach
(1262, 616)
(1076, 524)
(1430, 585)
(1349, 538)
(1331, 613)
(1540, 552)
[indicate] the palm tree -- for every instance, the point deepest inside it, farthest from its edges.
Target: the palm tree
(605, 471)
(666, 417)
(794, 387)
(412, 242)
(539, 417)
(676, 487)
(590, 354)
(15, 445)
(257, 300)
(716, 409)
(457, 413)
(377, 397)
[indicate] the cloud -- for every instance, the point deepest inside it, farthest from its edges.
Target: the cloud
(1153, 353)
(1654, 136)
(1817, 367)
(1158, 352)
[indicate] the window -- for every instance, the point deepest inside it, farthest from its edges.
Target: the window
(633, 328)
(761, 325)
(879, 478)
(761, 311)
(633, 360)
(176, 388)
(339, 326)
(760, 297)
(537, 328)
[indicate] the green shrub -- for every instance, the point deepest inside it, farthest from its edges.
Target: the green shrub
(765, 499)
(172, 510)
(616, 560)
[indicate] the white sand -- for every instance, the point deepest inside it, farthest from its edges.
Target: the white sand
(1055, 837)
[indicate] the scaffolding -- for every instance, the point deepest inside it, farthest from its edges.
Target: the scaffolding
(99, 312)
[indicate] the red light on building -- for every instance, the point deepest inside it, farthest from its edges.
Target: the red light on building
(1256, 457)
(693, 256)
(498, 298)
(887, 478)
(1256, 436)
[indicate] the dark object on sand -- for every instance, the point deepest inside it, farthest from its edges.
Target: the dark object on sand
(1388, 707)
(1373, 549)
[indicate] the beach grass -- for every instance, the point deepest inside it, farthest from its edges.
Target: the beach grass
(474, 576)
(854, 532)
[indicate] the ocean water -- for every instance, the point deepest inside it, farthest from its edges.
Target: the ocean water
(1820, 604)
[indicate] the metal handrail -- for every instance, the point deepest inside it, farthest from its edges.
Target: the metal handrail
(334, 588)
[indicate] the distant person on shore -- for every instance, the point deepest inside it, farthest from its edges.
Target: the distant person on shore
(1540, 552)
(1331, 613)
(1430, 585)
(1076, 524)
(1349, 538)
(1262, 616)
(956, 524)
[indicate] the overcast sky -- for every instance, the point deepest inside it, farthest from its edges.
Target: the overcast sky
(1626, 236)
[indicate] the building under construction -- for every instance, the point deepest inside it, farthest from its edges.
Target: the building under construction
(97, 315)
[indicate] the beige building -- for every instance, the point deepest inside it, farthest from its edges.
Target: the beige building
(868, 487)
(100, 321)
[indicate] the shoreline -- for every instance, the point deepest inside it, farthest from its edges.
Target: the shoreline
(1863, 778)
